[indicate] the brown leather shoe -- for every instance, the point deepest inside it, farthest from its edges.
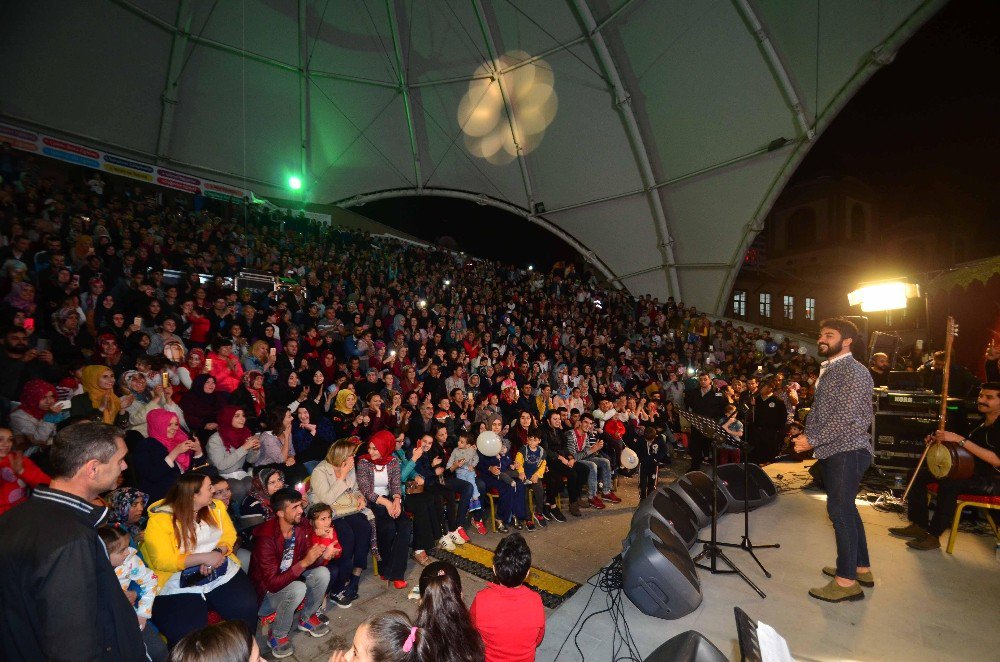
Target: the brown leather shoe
(924, 543)
(834, 592)
(574, 510)
(584, 503)
(908, 531)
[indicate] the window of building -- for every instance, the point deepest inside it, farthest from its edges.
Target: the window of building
(801, 231)
(740, 303)
(810, 308)
(765, 304)
(788, 307)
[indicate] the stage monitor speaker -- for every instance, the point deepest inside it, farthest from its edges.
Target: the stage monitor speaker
(762, 488)
(667, 507)
(695, 489)
(658, 574)
(688, 646)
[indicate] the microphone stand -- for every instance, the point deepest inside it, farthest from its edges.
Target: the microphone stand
(745, 543)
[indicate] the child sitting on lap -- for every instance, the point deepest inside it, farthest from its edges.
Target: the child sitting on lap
(130, 571)
(463, 461)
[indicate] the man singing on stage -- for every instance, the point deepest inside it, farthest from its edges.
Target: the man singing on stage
(837, 431)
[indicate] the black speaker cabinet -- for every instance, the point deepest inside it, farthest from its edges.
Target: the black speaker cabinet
(688, 646)
(695, 489)
(899, 439)
(667, 507)
(659, 576)
(732, 482)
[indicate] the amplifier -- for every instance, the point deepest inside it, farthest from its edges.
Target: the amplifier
(907, 401)
(899, 439)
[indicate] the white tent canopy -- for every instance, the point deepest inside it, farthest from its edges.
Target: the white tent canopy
(653, 135)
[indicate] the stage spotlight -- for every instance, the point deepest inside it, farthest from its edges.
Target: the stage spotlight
(531, 267)
(294, 183)
(890, 295)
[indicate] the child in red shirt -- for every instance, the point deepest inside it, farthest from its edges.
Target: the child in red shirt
(508, 639)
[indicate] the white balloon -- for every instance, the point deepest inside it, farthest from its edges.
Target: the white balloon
(629, 459)
(489, 443)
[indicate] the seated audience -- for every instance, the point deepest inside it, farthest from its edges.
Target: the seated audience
(232, 447)
(189, 545)
(165, 455)
(335, 484)
(287, 568)
(378, 476)
(16, 472)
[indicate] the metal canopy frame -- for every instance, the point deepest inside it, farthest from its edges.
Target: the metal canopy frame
(807, 122)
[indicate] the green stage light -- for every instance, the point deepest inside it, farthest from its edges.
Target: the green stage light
(294, 183)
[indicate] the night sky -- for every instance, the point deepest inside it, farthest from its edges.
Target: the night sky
(923, 132)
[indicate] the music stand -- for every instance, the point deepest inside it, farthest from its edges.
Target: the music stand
(712, 549)
(745, 543)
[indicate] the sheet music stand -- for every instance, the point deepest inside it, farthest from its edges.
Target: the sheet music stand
(712, 550)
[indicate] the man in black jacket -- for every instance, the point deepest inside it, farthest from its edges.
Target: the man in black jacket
(707, 401)
(59, 594)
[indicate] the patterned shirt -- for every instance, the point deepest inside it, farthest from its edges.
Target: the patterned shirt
(841, 415)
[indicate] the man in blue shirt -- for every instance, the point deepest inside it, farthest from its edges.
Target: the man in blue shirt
(837, 430)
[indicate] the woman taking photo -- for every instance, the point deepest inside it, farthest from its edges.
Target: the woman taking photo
(378, 475)
(188, 544)
(165, 455)
(334, 483)
(346, 421)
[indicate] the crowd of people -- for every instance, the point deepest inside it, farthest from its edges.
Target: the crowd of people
(341, 409)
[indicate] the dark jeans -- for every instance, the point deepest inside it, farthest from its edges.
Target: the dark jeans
(947, 499)
(842, 476)
(354, 533)
(576, 478)
(458, 508)
(393, 535)
(647, 477)
(183, 613)
(512, 501)
(427, 510)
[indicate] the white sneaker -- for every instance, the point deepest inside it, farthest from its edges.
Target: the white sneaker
(446, 543)
(456, 538)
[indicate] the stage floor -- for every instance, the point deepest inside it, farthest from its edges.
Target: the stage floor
(924, 606)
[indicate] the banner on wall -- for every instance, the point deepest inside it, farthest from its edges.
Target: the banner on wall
(77, 154)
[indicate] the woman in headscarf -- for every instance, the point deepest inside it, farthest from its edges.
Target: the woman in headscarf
(231, 447)
(163, 456)
(144, 400)
(108, 352)
(202, 404)
(289, 392)
(99, 384)
(127, 507)
(37, 401)
(328, 366)
(255, 508)
(251, 397)
(344, 418)
(22, 297)
(69, 342)
(193, 366)
(378, 475)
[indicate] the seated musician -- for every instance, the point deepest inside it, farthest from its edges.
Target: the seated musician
(961, 382)
(984, 445)
(879, 367)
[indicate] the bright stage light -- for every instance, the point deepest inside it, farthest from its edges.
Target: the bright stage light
(883, 296)
(294, 183)
(447, 282)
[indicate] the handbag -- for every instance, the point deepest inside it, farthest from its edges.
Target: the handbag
(413, 487)
(192, 576)
(346, 504)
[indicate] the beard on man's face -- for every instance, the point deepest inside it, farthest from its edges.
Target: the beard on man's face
(17, 348)
(825, 349)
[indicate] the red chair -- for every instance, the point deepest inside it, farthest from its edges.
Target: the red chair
(987, 503)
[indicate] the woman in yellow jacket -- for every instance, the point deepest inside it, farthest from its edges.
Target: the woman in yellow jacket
(189, 545)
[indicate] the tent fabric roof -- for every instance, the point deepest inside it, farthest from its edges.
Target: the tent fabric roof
(655, 133)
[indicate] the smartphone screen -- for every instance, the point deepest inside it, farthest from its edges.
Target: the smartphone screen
(137, 321)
